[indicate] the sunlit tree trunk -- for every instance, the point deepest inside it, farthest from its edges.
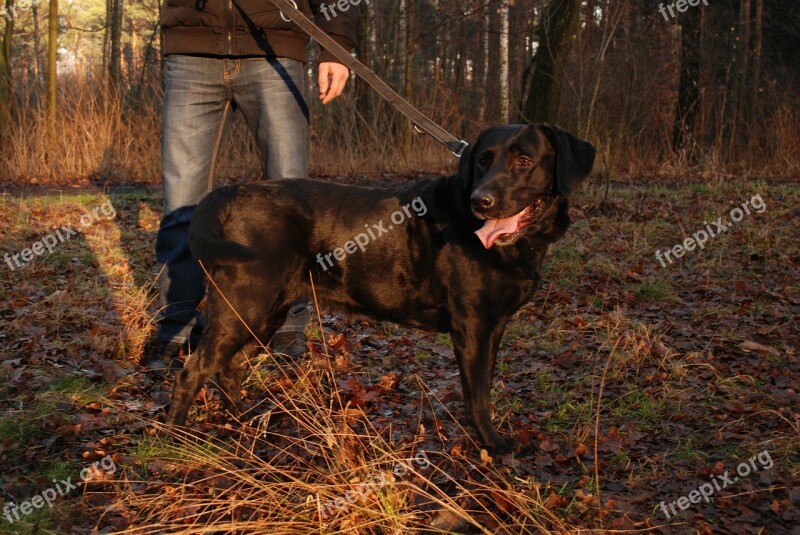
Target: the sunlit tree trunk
(115, 55)
(5, 64)
(556, 32)
(483, 76)
(503, 61)
(52, 63)
(37, 46)
(408, 63)
(134, 57)
(107, 34)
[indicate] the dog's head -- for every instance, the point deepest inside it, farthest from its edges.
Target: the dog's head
(515, 176)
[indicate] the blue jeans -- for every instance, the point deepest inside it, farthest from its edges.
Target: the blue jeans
(199, 96)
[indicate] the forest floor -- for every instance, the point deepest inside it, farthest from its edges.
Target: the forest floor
(648, 398)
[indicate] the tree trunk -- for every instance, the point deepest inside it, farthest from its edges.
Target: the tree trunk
(149, 52)
(744, 60)
(503, 61)
(52, 64)
(107, 33)
(589, 25)
(6, 94)
(688, 89)
(37, 47)
(402, 30)
(460, 63)
(755, 68)
(405, 27)
(134, 46)
(483, 78)
(366, 51)
(742, 115)
(115, 56)
(556, 30)
(408, 63)
(610, 23)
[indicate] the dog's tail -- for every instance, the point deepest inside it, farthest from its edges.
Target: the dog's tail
(207, 240)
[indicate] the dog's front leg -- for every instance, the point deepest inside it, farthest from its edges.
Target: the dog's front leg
(476, 350)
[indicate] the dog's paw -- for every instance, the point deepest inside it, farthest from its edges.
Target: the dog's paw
(503, 445)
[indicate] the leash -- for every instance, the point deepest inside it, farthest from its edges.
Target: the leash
(421, 122)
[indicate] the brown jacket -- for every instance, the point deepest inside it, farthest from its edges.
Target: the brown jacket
(250, 27)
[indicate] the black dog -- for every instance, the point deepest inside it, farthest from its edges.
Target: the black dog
(461, 257)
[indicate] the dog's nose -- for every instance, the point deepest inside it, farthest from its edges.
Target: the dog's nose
(482, 201)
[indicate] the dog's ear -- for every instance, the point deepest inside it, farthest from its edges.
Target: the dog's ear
(574, 158)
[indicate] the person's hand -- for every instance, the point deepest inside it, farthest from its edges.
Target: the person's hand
(332, 77)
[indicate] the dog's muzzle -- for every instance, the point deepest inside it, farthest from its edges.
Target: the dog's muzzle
(507, 230)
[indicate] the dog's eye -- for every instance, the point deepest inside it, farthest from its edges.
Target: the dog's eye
(524, 161)
(483, 160)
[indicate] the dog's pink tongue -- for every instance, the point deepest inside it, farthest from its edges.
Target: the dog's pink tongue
(494, 228)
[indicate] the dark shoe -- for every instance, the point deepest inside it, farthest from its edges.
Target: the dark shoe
(159, 354)
(291, 338)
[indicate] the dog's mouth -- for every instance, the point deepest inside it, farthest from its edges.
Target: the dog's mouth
(507, 230)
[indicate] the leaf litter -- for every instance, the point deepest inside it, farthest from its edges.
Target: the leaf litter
(628, 383)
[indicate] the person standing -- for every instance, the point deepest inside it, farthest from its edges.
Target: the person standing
(223, 55)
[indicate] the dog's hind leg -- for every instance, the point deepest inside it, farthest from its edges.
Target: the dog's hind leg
(229, 378)
(214, 352)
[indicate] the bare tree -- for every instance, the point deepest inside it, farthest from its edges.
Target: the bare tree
(115, 54)
(52, 64)
(688, 86)
(556, 31)
(503, 60)
(367, 49)
(755, 68)
(483, 77)
(5, 62)
(37, 46)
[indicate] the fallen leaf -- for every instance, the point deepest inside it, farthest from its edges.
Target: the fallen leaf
(749, 345)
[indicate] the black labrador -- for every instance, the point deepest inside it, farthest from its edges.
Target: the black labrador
(459, 255)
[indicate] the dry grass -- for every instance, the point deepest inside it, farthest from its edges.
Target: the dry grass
(116, 139)
(334, 473)
(303, 461)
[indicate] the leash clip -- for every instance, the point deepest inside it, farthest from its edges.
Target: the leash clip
(461, 148)
(461, 144)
